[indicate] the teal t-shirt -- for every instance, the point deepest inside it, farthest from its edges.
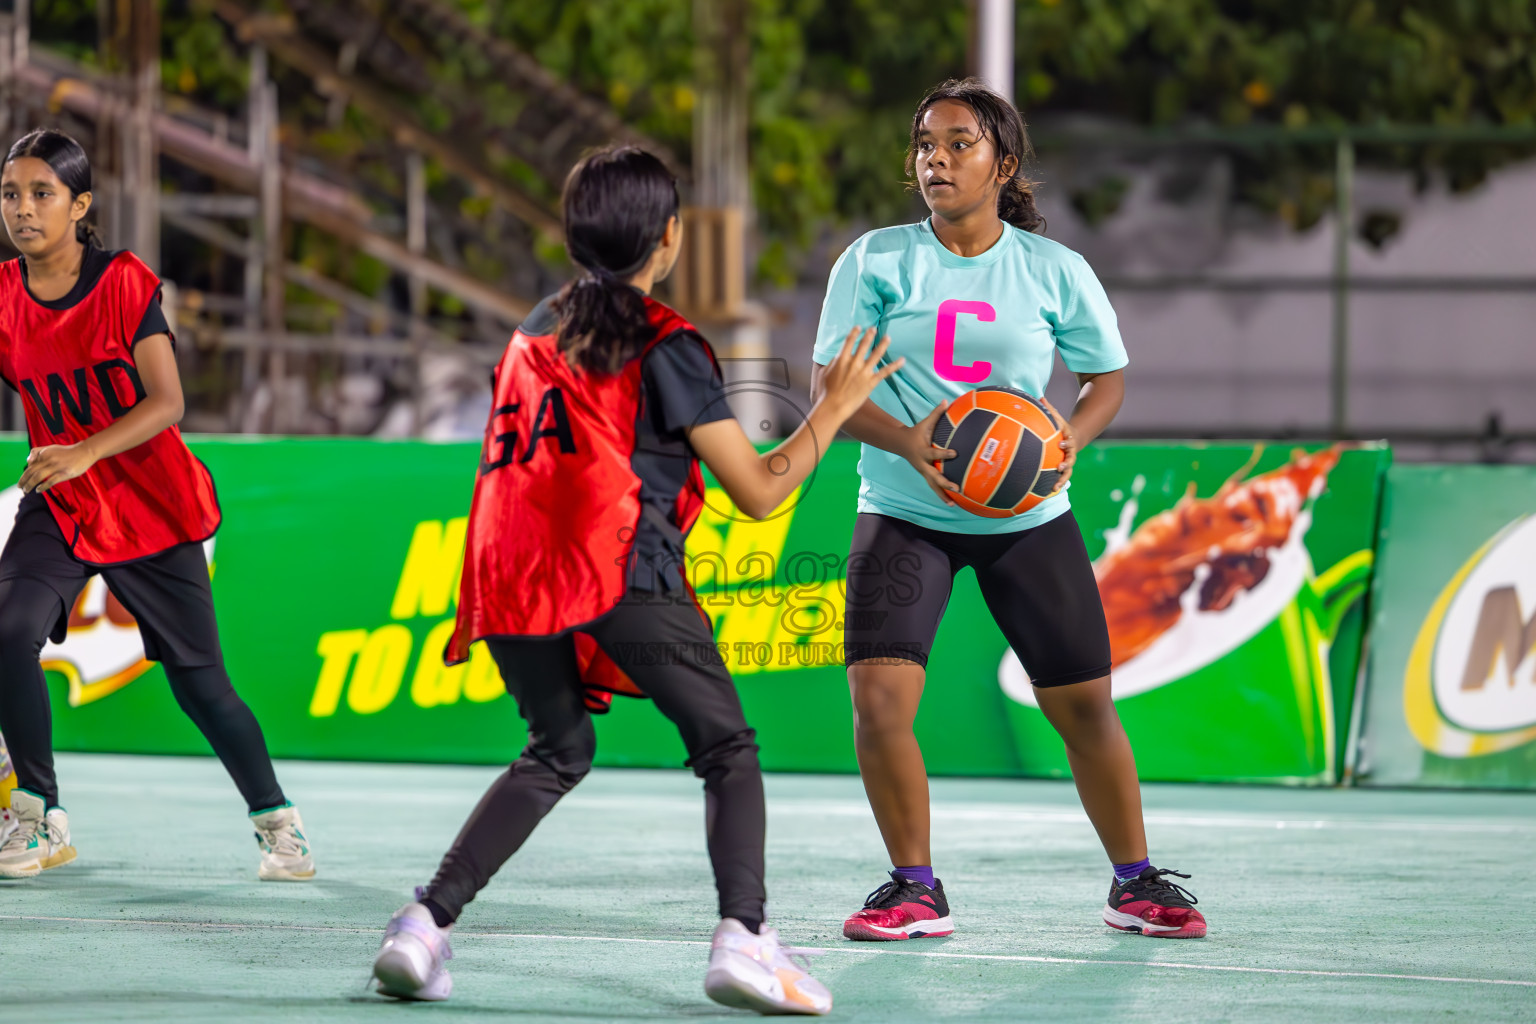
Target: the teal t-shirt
(962, 323)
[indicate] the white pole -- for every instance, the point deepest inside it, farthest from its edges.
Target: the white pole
(994, 26)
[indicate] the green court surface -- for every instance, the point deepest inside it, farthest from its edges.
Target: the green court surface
(1323, 905)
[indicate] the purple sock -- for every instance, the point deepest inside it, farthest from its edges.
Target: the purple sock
(1125, 872)
(919, 873)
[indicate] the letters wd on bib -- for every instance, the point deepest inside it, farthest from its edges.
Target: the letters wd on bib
(337, 592)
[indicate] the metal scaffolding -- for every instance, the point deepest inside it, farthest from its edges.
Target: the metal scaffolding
(258, 190)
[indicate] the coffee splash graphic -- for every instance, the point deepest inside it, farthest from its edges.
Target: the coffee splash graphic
(1225, 543)
(1193, 583)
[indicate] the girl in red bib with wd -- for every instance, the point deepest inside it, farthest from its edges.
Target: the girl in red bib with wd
(109, 488)
(605, 403)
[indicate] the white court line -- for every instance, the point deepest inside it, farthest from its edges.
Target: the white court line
(969, 811)
(993, 813)
(1159, 964)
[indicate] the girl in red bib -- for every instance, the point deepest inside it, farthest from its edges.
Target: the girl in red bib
(605, 403)
(109, 488)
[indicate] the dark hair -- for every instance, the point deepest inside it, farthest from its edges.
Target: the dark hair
(68, 161)
(616, 206)
(1002, 123)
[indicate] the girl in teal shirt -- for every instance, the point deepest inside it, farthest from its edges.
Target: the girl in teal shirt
(974, 296)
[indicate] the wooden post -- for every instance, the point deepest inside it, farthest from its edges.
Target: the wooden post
(274, 316)
(21, 38)
(130, 187)
(416, 243)
(711, 276)
(720, 112)
(1344, 189)
(255, 262)
(106, 164)
(712, 283)
(13, 56)
(13, 118)
(141, 162)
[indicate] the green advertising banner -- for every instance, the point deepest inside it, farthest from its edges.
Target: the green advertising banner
(1232, 578)
(1452, 694)
(1231, 575)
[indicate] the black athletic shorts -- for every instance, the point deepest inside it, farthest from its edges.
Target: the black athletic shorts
(1038, 585)
(168, 593)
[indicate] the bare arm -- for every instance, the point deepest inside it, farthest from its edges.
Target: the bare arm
(160, 408)
(1099, 398)
(759, 483)
(874, 426)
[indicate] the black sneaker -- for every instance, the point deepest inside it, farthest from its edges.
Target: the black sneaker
(901, 909)
(1152, 905)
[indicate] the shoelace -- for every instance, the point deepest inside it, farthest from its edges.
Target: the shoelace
(881, 893)
(282, 841)
(19, 839)
(429, 934)
(1161, 888)
(895, 886)
(800, 956)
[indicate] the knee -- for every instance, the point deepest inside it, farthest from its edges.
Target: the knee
(17, 635)
(200, 686)
(881, 711)
(567, 758)
(1088, 721)
(28, 613)
(737, 752)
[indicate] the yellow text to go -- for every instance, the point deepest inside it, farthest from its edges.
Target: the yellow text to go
(369, 666)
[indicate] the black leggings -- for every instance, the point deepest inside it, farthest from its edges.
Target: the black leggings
(663, 645)
(169, 595)
(1038, 584)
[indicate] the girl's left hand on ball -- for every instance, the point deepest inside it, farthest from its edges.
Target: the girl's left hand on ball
(54, 464)
(1068, 449)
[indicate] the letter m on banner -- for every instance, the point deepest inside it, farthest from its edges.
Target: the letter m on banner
(1501, 627)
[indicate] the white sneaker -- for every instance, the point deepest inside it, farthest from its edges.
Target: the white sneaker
(285, 855)
(8, 824)
(754, 972)
(411, 958)
(39, 840)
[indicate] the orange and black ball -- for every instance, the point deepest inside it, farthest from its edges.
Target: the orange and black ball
(1008, 450)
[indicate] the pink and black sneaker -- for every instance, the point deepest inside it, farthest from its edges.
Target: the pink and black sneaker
(901, 909)
(1152, 905)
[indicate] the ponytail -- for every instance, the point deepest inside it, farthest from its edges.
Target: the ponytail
(1016, 205)
(1001, 122)
(603, 322)
(87, 235)
(616, 207)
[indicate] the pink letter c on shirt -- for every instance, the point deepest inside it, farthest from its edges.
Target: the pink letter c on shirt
(944, 341)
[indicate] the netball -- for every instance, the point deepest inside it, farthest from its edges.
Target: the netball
(1007, 456)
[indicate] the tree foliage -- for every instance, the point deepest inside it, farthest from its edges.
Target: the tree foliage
(1291, 63)
(834, 83)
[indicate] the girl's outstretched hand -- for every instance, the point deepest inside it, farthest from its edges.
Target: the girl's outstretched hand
(855, 372)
